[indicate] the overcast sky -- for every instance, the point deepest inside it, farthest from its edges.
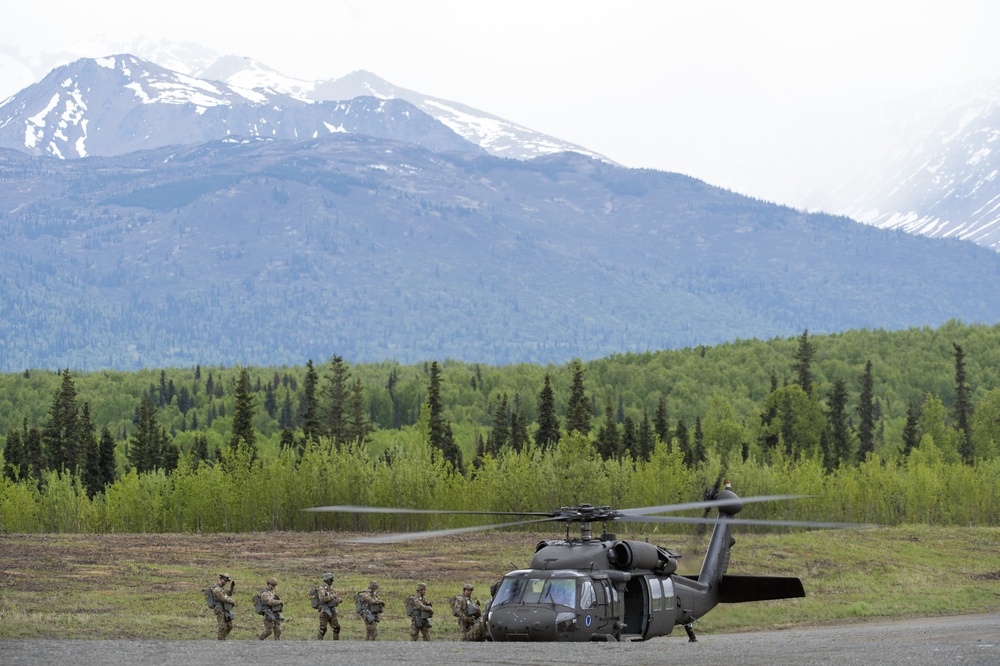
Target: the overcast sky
(712, 89)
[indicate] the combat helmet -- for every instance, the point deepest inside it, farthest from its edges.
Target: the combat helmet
(372, 585)
(226, 576)
(272, 581)
(327, 577)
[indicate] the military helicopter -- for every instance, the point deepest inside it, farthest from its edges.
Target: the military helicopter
(604, 589)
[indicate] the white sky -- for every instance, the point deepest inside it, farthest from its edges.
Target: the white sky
(720, 90)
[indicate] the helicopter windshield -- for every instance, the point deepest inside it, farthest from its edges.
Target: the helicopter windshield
(529, 590)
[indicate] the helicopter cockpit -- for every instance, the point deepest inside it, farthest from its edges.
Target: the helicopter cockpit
(535, 604)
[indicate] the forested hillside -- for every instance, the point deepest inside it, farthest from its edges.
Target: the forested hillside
(865, 419)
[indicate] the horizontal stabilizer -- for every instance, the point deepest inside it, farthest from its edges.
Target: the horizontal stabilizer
(737, 589)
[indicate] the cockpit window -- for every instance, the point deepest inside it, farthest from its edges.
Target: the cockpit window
(509, 591)
(588, 598)
(561, 591)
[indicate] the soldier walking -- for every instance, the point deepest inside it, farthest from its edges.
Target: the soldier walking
(370, 609)
(224, 603)
(470, 617)
(328, 601)
(271, 604)
(421, 612)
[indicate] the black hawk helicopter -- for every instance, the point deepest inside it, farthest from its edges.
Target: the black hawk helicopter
(602, 588)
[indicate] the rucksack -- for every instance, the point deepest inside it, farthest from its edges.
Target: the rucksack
(258, 604)
(455, 605)
(314, 597)
(409, 605)
(210, 599)
(359, 606)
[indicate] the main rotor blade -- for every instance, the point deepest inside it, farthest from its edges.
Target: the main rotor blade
(385, 509)
(741, 521)
(412, 536)
(707, 504)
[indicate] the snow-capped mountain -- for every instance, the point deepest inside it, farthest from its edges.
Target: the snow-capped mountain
(933, 173)
(497, 136)
(119, 104)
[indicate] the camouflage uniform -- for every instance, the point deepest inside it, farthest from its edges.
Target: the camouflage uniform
(422, 613)
(224, 606)
(371, 610)
(328, 600)
(470, 619)
(272, 616)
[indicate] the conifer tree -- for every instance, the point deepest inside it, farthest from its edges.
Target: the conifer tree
(961, 411)
(335, 400)
(148, 441)
(61, 433)
(105, 460)
(439, 430)
(500, 434)
(682, 441)
(698, 453)
(34, 453)
(270, 400)
(645, 437)
(661, 424)
(285, 418)
(200, 448)
(866, 414)
(548, 423)
(312, 427)
(804, 357)
(609, 441)
(911, 430)
(359, 427)
(838, 433)
(243, 415)
(518, 426)
(13, 455)
(630, 438)
(89, 457)
(579, 408)
(768, 437)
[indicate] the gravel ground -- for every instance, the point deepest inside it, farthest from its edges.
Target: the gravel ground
(967, 640)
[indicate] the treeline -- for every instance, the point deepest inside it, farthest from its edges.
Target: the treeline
(836, 401)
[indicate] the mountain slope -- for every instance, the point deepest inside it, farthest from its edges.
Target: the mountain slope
(119, 104)
(273, 252)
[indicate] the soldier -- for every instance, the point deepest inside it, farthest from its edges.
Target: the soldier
(224, 603)
(370, 609)
(272, 605)
(328, 601)
(421, 613)
(470, 618)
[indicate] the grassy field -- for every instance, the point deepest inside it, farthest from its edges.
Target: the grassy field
(149, 585)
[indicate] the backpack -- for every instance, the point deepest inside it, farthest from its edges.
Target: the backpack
(409, 605)
(455, 605)
(314, 597)
(258, 604)
(359, 606)
(210, 599)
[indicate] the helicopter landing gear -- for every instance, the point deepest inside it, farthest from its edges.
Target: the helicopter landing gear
(690, 632)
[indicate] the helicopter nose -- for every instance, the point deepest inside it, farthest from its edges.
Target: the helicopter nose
(523, 623)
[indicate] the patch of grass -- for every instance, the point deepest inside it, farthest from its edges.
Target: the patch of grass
(149, 585)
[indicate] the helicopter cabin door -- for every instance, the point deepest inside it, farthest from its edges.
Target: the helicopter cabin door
(650, 606)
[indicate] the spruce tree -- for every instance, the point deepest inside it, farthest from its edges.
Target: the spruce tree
(500, 434)
(911, 430)
(359, 427)
(518, 426)
(630, 438)
(838, 431)
(90, 453)
(439, 429)
(866, 414)
(61, 433)
(609, 440)
(804, 357)
(579, 409)
(336, 391)
(683, 443)
(646, 438)
(312, 427)
(698, 453)
(148, 440)
(13, 455)
(661, 424)
(961, 411)
(106, 459)
(548, 423)
(242, 429)
(34, 453)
